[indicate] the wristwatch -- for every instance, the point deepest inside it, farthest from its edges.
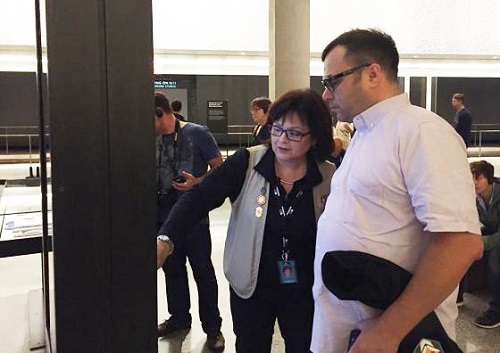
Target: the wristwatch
(165, 239)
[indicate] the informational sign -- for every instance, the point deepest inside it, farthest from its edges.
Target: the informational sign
(217, 116)
(165, 83)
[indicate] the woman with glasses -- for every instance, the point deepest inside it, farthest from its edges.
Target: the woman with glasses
(277, 192)
(258, 108)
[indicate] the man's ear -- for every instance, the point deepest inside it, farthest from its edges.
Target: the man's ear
(375, 74)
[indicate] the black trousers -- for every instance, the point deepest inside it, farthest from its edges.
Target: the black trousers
(196, 246)
(254, 319)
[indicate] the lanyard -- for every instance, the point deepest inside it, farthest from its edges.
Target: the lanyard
(285, 213)
(170, 161)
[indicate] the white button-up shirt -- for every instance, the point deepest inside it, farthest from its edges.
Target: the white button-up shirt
(404, 175)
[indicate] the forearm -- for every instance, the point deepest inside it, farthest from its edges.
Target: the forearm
(194, 204)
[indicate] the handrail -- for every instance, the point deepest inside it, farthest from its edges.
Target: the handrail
(10, 131)
(480, 132)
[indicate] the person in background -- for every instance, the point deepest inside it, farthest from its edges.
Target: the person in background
(177, 107)
(183, 153)
(389, 199)
(342, 134)
(277, 193)
(258, 108)
(463, 117)
(488, 206)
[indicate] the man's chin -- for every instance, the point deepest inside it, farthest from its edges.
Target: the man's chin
(343, 118)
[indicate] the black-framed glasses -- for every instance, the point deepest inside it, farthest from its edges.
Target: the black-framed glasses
(291, 134)
(331, 83)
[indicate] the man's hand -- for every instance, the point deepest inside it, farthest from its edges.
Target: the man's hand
(163, 250)
(372, 340)
(188, 184)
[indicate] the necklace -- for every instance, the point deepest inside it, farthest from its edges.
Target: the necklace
(286, 182)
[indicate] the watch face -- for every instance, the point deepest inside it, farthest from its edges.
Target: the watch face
(163, 238)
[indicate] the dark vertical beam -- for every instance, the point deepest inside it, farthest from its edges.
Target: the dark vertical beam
(103, 176)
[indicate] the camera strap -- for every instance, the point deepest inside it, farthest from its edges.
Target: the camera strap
(171, 161)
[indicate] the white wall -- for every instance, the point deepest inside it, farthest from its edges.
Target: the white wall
(450, 37)
(450, 27)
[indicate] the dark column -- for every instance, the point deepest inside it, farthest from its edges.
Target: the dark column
(103, 175)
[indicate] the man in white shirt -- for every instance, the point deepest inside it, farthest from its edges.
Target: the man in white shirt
(390, 198)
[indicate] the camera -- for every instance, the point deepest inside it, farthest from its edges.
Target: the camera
(179, 179)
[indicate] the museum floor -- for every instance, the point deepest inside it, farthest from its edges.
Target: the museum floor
(19, 274)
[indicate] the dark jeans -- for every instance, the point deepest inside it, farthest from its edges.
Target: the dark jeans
(254, 319)
(197, 247)
(494, 279)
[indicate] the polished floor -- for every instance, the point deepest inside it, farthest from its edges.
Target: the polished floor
(19, 274)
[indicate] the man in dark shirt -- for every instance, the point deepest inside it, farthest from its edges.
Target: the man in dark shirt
(463, 118)
(183, 153)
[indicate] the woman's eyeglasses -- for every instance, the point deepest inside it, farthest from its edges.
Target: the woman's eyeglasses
(291, 134)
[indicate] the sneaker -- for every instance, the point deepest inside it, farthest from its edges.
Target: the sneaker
(216, 342)
(170, 326)
(488, 319)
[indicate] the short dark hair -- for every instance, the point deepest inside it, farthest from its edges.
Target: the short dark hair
(261, 102)
(483, 168)
(459, 97)
(161, 101)
(367, 46)
(176, 105)
(311, 109)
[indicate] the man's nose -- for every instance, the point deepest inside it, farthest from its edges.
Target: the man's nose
(327, 94)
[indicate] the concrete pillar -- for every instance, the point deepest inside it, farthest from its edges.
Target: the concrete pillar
(289, 45)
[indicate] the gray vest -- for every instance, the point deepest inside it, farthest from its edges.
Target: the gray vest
(246, 230)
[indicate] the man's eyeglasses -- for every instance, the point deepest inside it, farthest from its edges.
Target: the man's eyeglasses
(331, 83)
(254, 109)
(291, 134)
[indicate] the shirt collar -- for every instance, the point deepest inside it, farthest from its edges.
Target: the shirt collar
(265, 167)
(369, 118)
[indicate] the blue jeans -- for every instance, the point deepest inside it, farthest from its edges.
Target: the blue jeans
(196, 246)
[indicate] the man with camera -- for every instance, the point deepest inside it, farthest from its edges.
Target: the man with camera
(183, 153)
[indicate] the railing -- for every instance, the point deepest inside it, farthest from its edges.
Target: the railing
(30, 132)
(240, 131)
(479, 130)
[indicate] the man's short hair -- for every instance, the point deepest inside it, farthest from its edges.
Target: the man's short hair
(459, 97)
(367, 46)
(483, 168)
(161, 101)
(176, 105)
(262, 103)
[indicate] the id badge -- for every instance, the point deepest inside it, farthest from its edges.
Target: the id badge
(288, 271)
